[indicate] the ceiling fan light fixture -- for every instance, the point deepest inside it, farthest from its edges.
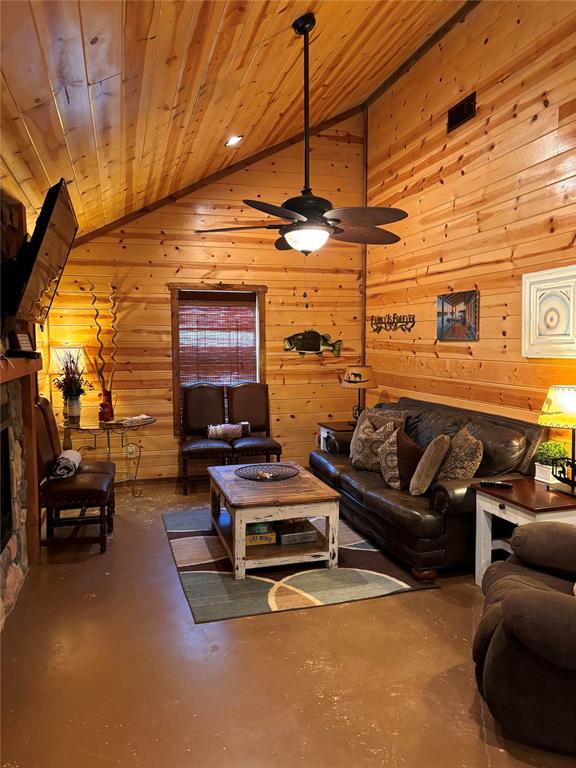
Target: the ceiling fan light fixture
(307, 238)
(234, 140)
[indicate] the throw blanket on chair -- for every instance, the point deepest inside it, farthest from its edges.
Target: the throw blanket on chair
(66, 464)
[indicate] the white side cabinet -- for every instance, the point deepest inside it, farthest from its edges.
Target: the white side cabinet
(525, 502)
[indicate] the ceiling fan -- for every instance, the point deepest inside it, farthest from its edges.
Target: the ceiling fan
(311, 219)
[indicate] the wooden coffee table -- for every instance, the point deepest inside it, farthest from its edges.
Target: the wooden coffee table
(249, 501)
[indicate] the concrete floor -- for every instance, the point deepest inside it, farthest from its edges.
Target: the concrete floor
(103, 666)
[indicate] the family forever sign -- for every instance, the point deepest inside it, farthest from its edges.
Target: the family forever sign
(392, 322)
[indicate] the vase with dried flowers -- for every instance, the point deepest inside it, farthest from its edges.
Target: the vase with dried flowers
(72, 384)
(98, 363)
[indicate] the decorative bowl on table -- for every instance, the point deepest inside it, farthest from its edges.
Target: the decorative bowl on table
(266, 473)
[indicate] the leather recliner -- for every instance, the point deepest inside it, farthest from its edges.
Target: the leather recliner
(436, 530)
(525, 645)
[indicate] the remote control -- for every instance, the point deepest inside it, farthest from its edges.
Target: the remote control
(495, 484)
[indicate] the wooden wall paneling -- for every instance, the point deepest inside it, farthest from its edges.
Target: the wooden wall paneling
(143, 257)
(487, 203)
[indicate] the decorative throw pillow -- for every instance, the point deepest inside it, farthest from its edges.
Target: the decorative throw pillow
(371, 432)
(463, 457)
(399, 457)
(228, 431)
(429, 465)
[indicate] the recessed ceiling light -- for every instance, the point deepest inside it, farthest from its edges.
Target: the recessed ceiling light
(234, 141)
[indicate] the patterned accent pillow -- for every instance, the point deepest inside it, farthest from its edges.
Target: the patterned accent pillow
(228, 431)
(429, 465)
(463, 457)
(374, 427)
(399, 457)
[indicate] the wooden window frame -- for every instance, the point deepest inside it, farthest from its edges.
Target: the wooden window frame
(175, 290)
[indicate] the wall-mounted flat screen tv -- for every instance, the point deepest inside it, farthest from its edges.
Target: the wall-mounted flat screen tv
(29, 282)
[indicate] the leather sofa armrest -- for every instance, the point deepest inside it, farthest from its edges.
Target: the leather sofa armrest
(338, 444)
(455, 497)
(548, 545)
(543, 622)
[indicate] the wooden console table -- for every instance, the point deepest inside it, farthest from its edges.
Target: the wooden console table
(527, 501)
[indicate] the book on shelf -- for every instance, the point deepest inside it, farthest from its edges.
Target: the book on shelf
(258, 528)
(253, 539)
(296, 532)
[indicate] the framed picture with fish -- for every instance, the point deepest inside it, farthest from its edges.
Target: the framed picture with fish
(312, 342)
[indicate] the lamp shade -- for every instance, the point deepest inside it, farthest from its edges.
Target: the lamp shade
(57, 354)
(306, 238)
(559, 409)
(359, 377)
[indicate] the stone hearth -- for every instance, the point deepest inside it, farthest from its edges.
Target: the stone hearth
(14, 558)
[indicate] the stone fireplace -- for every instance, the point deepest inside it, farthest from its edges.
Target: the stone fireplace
(14, 555)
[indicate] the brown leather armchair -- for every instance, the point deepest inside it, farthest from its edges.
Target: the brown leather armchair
(249, 402)
(82, 491)
(202, 404)
(86, 466)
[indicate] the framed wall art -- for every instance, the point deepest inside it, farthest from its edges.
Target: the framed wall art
(549, 313)
(457, 316)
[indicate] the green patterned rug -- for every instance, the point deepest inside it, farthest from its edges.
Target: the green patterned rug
(213, 594)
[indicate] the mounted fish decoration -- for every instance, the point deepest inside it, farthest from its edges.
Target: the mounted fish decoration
(312, 343)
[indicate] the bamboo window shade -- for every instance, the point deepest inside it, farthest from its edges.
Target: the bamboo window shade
(217, 337)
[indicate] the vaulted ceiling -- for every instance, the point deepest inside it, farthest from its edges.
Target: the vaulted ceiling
(132, 100)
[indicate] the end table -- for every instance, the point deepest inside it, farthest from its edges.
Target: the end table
(328, 428)
(526, 502)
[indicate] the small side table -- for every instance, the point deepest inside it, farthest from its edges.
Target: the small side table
(333, 427)
(526, 502)
(108, 428)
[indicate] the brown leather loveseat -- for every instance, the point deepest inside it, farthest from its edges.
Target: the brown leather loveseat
(435, 530)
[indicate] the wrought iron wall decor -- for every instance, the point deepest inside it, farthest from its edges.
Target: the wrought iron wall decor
(392, 322)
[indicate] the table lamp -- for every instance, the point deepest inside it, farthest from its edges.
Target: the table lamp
(559, 411)
(358, 377)
(58, 353)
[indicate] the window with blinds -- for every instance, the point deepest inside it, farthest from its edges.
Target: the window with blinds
(217, 336)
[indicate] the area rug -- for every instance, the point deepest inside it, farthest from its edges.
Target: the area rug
(213, 594)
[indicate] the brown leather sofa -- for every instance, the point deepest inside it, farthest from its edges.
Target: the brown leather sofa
(436, 530)
(525, 644)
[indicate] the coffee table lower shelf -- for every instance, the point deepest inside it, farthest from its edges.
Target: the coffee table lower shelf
(267, 555)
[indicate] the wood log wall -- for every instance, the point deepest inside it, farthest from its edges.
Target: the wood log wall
(490, 201)
(141, 258)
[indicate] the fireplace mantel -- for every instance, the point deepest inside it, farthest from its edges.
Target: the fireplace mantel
(18, 367)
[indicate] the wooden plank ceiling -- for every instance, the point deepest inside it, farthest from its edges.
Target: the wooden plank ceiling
(131, 100)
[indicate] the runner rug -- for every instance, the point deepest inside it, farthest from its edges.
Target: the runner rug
(213, 594)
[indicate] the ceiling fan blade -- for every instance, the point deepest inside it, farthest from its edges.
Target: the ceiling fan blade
(367, 235)
(237, 229)
(275, 210)
(282, 245)
(365, 216)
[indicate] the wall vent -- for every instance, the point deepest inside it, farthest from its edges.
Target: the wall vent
(462, 112)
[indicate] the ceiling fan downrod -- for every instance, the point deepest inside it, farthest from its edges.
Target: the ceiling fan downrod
(303, 26)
